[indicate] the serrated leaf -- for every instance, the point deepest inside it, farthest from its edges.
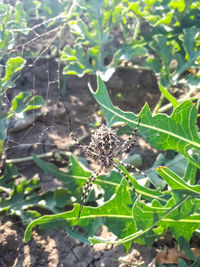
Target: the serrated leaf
(148, 217)
(191, 52)
(164, 51)
(176, 183)
(132, 220)
(189, 43)
(21, 198)
(127, 52)
(75, 178)
(177, 164)
(18, 201)
(182, 227)
(117, 212)
(145, 191)
(177, 132)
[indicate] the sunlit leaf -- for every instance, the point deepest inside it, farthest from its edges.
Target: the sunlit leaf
(177, 132)
(13, 65)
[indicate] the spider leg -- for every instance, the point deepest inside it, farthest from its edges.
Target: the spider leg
(128, 144)
(123, 173)
(90, 152)
(134, 169)
(85, 148)
(70, 129)
(86, 189)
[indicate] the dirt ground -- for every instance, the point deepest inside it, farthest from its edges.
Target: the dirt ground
(50, 131)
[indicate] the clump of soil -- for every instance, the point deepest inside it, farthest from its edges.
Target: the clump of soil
(57, 249)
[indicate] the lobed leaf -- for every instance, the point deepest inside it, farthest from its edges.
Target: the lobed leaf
(176, 183)
(78, 174)
(21, 198)
(131, 219)
(115, 213)
(177, 132)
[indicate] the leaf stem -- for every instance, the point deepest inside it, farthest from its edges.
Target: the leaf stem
(158, 105)
(168, 96)
(137, 29)
(168, 106)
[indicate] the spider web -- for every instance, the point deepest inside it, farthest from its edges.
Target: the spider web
(39, 131)
(44, 132)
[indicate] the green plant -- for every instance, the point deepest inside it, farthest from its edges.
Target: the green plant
(169, 46)
(93, 26)
(14, 195)
(18, 196)
(176, 208)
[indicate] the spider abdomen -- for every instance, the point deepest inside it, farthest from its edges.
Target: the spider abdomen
(104, 141)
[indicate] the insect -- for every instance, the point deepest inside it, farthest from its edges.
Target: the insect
(104, 147)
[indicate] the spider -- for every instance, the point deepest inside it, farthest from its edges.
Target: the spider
(104, 147)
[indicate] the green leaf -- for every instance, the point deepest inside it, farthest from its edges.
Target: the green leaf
(6, 40)
(191, 52)
(18, 102)
(175, 182)
(189, 43)
(21, 198)
(164, 51)
(180, 5)
(18, 201)
(141, 189)
(166, 19)
(117, 214)
(20, 14)
(93, 39)
(190, 173)
(35, 103)
(154, 64)
(21, 104)
(167, 94)
(147, 217)
(13, 65)
(3, 130)
(61, 196)
(177, 164)
(177, 132)
(182, 227)
(127, 52)
(75, 178)
(9, 172)
(133, 220)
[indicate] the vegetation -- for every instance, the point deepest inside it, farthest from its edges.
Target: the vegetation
(163, 36)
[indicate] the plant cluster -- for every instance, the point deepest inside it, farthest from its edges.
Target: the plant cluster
(162, 36)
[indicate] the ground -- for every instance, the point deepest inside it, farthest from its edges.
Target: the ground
(49, 132)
